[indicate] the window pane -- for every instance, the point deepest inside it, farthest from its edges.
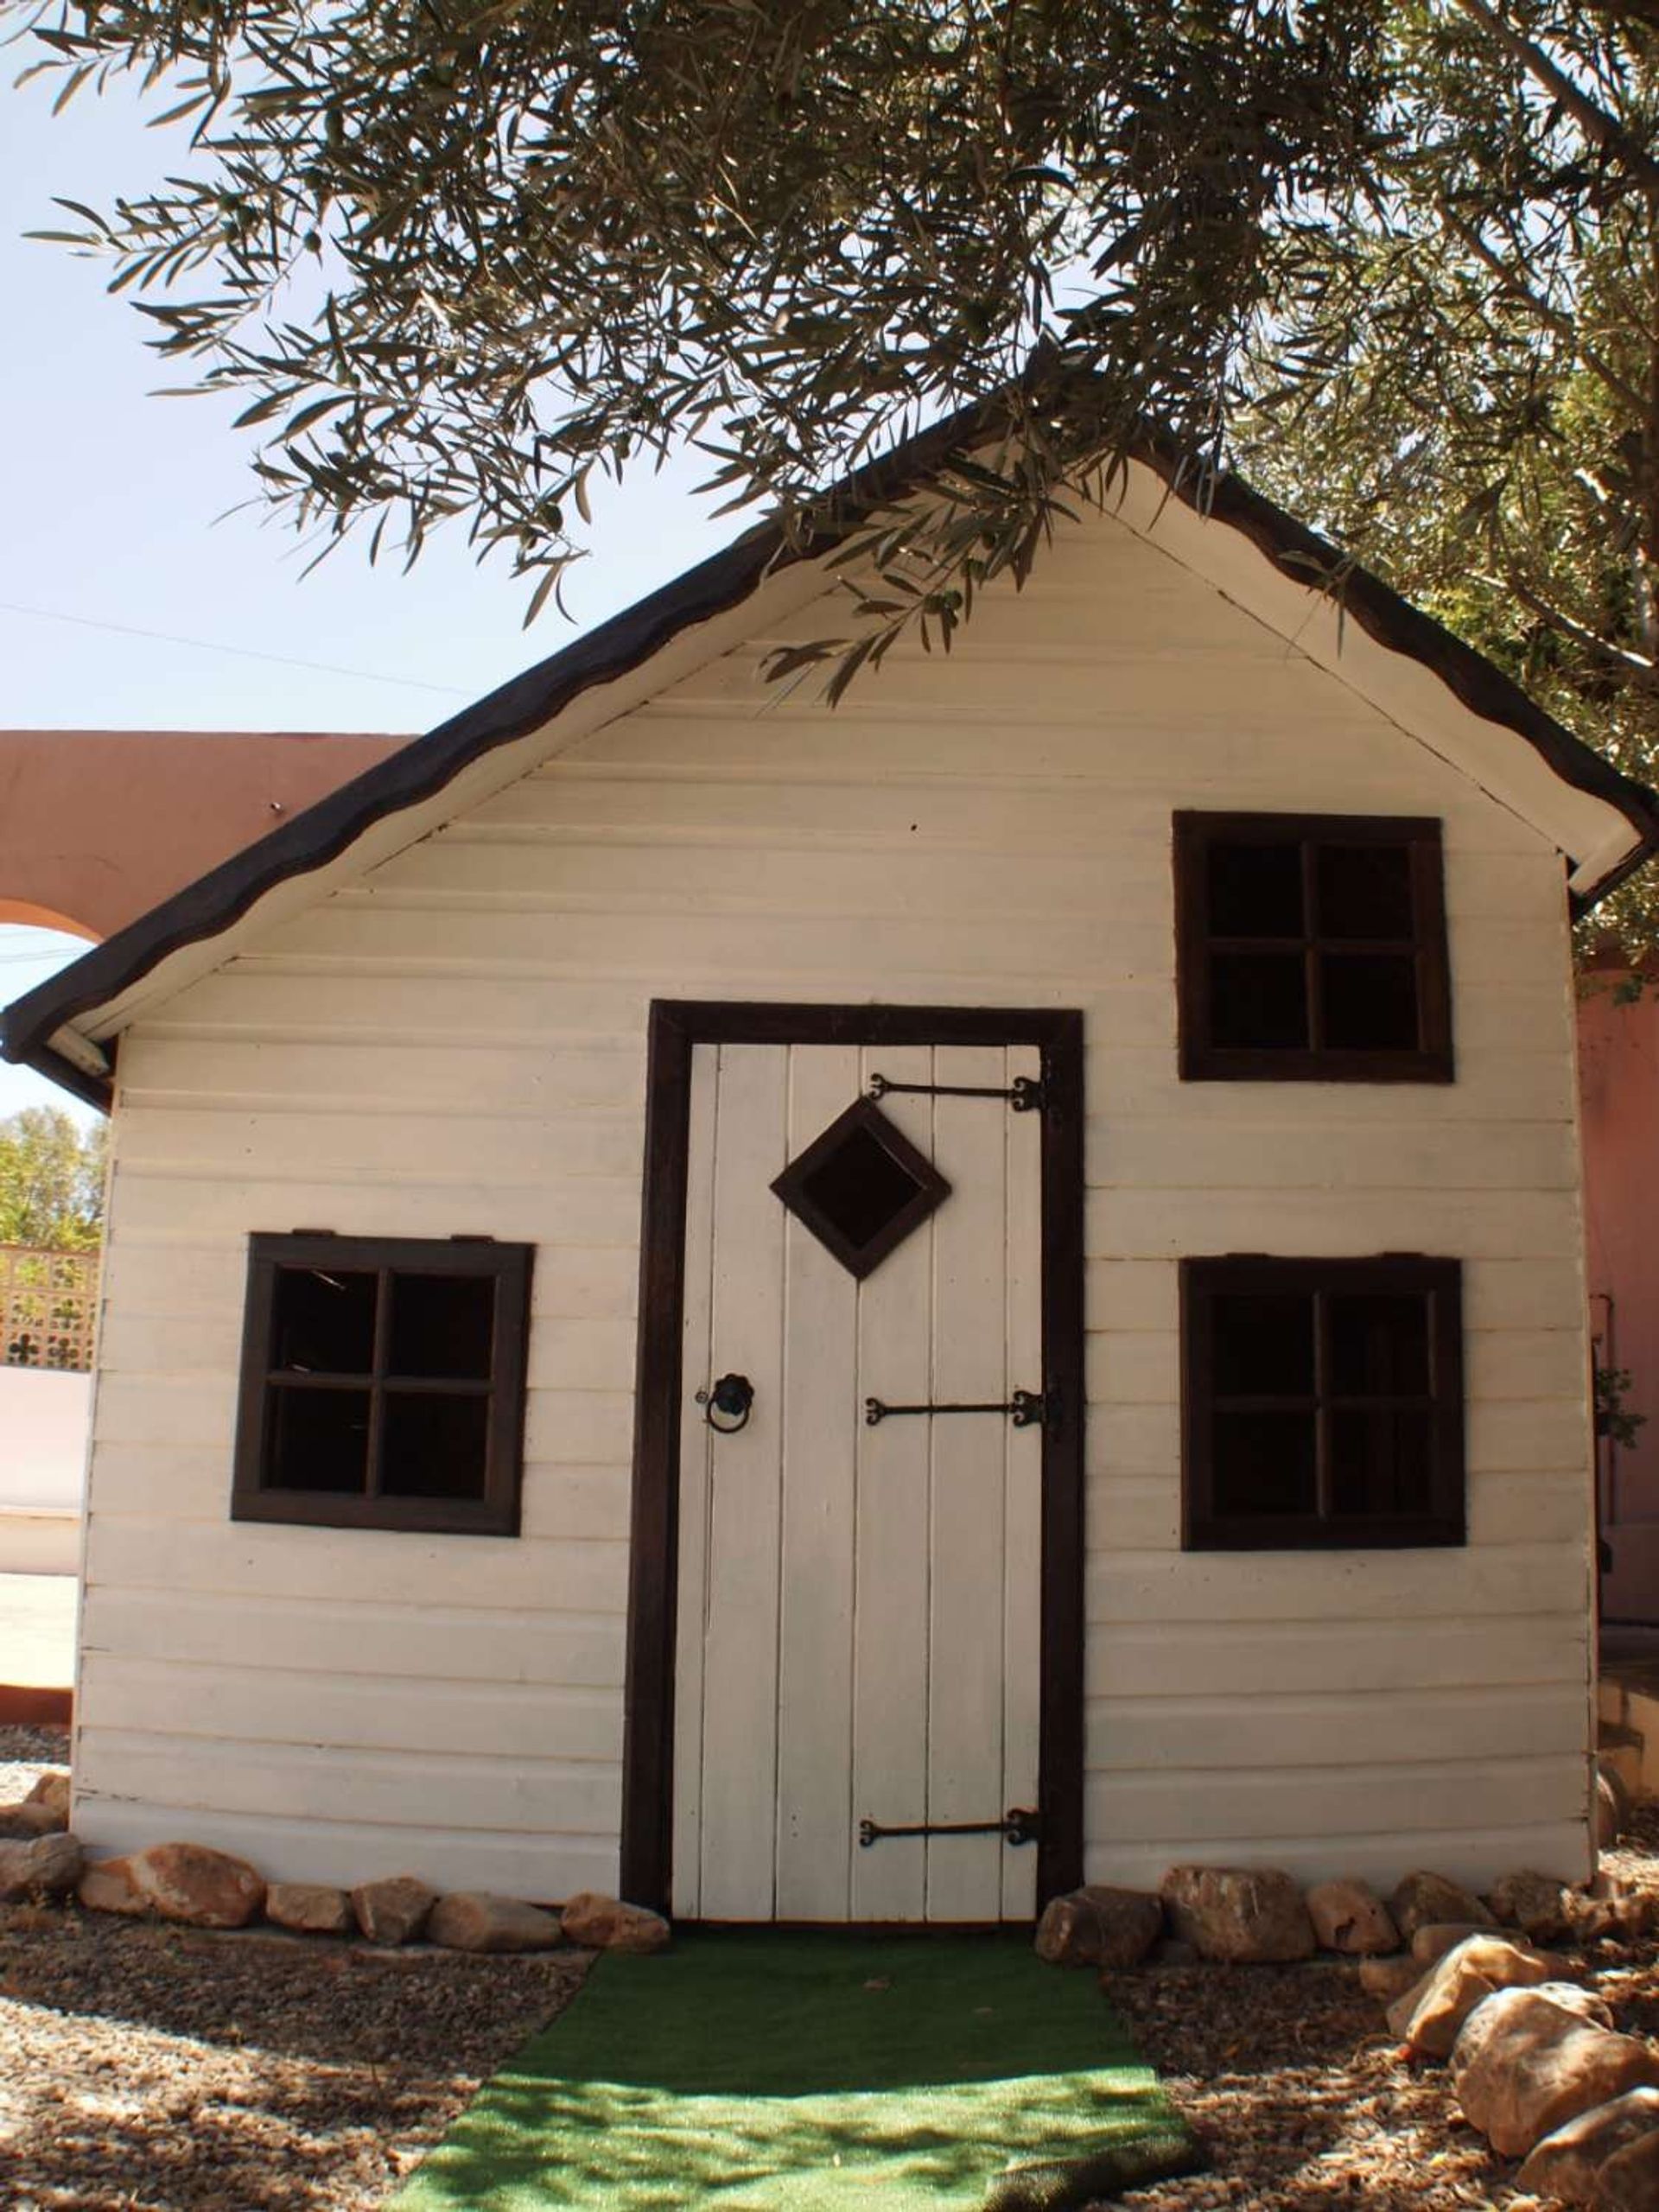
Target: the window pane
(1263, 1346)
(316, 1440)
(1369, 1002)
(323, 1323)
(434, 1446)
(860, 1187)
(1255, 890)
(1379, 1345)
(1258, 999)
(1264, 1465)
(1364, 890)
(442, 1326)
(1381, 1463)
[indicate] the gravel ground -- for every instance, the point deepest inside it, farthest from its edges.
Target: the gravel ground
(1290, 2077)
(144, 2069)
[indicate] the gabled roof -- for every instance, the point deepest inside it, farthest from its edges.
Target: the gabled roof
(57, 1027)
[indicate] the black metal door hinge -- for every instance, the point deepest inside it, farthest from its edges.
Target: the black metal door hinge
(1020, 1824)
(1025, 1408)
(1026, 1094)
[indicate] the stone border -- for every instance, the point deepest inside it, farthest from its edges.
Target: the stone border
(1536, 2065)
(193, 1886)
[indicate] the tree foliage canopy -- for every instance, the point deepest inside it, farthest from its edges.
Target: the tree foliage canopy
(1400, 256)
(457, 256)
(1468, 395)
(51, 1181)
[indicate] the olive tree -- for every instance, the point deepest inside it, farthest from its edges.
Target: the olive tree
(1400, 257)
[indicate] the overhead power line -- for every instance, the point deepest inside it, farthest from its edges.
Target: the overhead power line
(239, 653)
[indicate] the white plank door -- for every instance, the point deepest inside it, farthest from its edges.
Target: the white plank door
(858, 1604)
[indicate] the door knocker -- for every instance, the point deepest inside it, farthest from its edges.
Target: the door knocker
(726, 1406)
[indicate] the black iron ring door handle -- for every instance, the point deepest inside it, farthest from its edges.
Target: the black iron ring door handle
(727, 1404)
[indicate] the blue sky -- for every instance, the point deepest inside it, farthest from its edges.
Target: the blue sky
(118, 514)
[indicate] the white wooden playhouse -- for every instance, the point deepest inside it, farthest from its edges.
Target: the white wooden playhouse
(848, 1315)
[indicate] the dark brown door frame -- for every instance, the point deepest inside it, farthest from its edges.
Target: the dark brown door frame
(677, 1026)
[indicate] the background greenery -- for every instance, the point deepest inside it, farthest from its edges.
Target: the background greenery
(51, 1181)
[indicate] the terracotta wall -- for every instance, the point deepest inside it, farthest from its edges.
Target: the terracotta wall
(1618, 1078)
(98, 826)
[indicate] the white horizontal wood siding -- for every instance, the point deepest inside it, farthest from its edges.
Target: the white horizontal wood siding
(456, 1044)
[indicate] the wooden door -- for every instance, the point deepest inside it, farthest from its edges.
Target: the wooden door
(858, 1615)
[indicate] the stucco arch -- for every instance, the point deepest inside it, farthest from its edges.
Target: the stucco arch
(98, 826)
(43, 918)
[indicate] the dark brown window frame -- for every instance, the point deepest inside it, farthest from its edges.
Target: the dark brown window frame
(495, 1513)
(1203, 1061)
(1403, 1273)
(677, 1028)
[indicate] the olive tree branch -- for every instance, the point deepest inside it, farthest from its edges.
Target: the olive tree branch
(1557, 319)
(1634, 667)
(1602, 129)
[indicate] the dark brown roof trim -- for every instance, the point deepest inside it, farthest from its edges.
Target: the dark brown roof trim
(91, 1089)
(420, 771)
(1381, 612)
(1585, 902)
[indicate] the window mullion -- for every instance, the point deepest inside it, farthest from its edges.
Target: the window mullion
(376, 1384)
(1313, 981)
(1425, 936)
(1323, 1499)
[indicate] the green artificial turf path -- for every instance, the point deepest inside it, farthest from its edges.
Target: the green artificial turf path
(761, 2072)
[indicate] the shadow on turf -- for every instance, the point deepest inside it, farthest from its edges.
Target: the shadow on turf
(790, 2071)
(599, 2143)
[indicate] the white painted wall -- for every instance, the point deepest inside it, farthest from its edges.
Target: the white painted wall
(44, 1423)
(457, 1046)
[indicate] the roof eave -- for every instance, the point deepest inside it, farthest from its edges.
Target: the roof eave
(80, 1083)
(1394, 622)
(1585, 900)
(420, 771)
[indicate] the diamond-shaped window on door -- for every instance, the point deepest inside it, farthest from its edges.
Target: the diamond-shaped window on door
(861, 1187)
